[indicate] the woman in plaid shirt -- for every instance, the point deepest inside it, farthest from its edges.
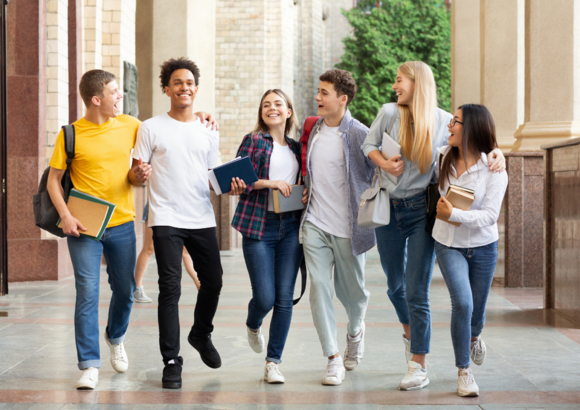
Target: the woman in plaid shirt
(270, 240)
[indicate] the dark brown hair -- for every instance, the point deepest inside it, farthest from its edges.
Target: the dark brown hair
(342, 81)
(478, 136)
(93, 83)
(174, 64)
(291, 122)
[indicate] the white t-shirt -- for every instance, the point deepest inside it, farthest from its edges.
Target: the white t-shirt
(180, 153)
(327, 209)
(283, 166)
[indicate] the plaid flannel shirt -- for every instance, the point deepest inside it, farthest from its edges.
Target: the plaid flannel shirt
(250, 216)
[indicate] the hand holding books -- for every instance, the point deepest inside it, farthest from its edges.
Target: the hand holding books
(457, 197)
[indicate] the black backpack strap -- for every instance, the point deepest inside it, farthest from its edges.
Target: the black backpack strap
(69, 147)
(303, 275)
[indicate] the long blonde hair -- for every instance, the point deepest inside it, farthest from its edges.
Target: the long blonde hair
(419, 148)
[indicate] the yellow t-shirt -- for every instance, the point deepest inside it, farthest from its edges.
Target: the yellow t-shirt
(102, 162)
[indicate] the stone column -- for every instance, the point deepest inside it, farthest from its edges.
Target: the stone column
(552, 111)
(93, 34)
(503, 65)
(30, 257)
(465, 53)
(75, 67)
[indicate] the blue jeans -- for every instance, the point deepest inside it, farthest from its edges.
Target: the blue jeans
(118, 244)
(468, 273)
(407, 258)
(273, 264)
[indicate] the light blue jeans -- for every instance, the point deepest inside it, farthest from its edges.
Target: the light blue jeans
(407, 258)
(323, 252)
(468, 273)
(118, 244)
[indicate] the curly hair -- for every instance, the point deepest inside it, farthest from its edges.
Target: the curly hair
(174, 64)
(342, 81)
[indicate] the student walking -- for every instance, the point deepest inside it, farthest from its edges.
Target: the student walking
(337, 173)
(406, 250)
(139, 296)
(180, 150)
(467, 253)
(104, 140)
(270, 240)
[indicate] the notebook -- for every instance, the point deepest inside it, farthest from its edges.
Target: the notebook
(389, 149)
(221, 176)
(460, 198)
(94, 213)
(290, 203)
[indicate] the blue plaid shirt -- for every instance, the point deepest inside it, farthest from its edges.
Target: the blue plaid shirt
(250, 216)
(359, 175)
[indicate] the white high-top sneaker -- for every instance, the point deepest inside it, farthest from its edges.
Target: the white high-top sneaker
(466, 385)
(415, 379)
(89, 379)
(119, 359)
(354, 349)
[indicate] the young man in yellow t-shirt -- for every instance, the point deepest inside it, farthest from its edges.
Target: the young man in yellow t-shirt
(104, 140)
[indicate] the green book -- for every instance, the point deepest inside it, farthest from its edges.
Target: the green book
(94, 213)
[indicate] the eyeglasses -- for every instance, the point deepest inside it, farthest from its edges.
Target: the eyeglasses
(454, 121)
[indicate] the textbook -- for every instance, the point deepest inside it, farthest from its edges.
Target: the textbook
(460, 198)
(390, 148)
(290, 203)
(221, 177)
(94, 213)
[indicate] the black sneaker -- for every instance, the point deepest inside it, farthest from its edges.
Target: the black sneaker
(209, 355)
(171, 376)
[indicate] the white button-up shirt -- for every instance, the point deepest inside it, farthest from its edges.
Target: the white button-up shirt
(479, 224)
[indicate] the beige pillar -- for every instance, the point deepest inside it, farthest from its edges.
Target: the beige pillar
(93, 34)
(465, 53)
(552, 110)
(503, 65)
(118, 36)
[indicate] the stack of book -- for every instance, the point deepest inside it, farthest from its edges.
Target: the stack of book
(92, 212)
(460, 198)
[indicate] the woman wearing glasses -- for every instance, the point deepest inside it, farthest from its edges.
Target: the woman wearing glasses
(405, 247)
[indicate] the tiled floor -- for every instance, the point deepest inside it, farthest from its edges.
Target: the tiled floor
(533, 359)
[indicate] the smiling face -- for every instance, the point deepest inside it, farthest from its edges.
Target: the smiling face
(110, 102)
(275, 112)
(329, 103)
(456, 131)
(181, 89)
(404, 87)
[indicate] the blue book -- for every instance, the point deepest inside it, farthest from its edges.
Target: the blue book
(221, 177)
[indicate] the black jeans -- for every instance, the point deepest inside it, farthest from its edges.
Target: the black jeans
(202, 246)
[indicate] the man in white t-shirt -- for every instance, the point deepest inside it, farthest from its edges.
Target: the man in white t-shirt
(337, 173)
(180, 150)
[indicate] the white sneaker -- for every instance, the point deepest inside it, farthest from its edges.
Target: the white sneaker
(272, 374)
(354, 350)
(466, 385)
(478, 351)
(415, 379)
(89, 379)
(408, 354)
(119, 359)
(335, 373)
(256, 340)
(139, 296)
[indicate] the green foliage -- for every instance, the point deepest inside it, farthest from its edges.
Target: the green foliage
(387, 36)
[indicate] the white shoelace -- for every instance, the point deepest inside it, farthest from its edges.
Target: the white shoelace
(478, 351)
(119, 352)
(467, 377)
(352, 350)
(333, 368)
(273, 368)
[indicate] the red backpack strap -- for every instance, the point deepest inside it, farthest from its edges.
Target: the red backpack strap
(306, 130)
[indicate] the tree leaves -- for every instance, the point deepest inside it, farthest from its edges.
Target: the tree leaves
(384, 38)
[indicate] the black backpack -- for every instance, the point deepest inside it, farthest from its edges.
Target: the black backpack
(45, 214)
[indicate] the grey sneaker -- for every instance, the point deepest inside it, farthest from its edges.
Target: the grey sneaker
(139, 296)
(478, 351)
